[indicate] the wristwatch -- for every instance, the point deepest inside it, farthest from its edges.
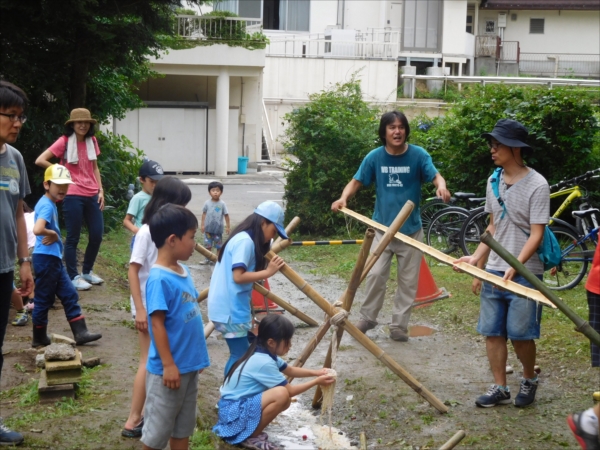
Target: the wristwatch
(24, 260)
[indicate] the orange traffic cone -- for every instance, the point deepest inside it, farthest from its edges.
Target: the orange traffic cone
(427, 291)
(260, 303)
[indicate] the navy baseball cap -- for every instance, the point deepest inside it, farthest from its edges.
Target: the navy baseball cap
(151, 169)
(274, 213)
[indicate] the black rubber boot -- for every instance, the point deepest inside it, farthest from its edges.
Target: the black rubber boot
(81, 333)
(40, 338)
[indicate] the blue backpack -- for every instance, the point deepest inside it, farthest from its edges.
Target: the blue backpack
(549, 250)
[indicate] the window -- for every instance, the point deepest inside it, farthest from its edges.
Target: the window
(490, 26)
(536, 26)
(287, 15)
(469, 23)
(422, 25)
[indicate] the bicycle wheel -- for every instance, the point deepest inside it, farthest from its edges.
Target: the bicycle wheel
(429, 209)
(472, 230)
(444, 230)
(573, 265)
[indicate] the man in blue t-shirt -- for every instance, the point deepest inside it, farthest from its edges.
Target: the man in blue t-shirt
(398, 170)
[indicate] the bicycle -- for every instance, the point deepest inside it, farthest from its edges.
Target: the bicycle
(433, 205)
(574, 250)
(477, 222)
(443, 231)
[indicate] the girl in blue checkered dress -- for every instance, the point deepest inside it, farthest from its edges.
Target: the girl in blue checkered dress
(255, 390)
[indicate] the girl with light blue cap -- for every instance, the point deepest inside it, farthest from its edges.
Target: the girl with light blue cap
(241, 262)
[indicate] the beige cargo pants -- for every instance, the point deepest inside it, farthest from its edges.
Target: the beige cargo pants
(409, 263)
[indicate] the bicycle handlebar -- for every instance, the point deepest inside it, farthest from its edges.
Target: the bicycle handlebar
(589, 174)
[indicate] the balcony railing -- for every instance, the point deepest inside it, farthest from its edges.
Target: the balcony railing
(560, 65)
(217, 28)
(487, 46)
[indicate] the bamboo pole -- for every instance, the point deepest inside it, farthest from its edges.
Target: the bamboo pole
(582, 325)
(208, 329)
(373, 257)
(379, 353)
(285, 305)
(259, 288)
(355, 280)
(363, 441)
(454, 440)
(281, 245)
(476, 272)
(288, 230)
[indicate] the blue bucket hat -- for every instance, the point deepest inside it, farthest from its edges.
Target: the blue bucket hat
(274, 213)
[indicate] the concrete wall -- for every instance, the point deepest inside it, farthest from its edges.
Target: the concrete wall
(565, 31)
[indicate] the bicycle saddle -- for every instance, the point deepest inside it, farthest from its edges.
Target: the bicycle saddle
(476, 200)
(464, 195)
(586, 212)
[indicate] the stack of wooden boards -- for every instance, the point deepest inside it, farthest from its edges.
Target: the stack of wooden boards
(62, 364)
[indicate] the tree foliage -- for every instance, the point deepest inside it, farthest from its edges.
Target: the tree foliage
(328, 137)
(67, 54)
(562, 130)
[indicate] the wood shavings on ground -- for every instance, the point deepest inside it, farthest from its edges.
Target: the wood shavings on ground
(326, 441)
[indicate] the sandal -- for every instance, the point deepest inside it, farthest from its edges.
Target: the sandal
(135, 432)
(258, 444)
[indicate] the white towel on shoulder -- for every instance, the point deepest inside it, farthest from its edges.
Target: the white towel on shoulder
(72, 156)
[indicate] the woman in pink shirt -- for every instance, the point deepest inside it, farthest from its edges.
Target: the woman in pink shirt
(78, 150)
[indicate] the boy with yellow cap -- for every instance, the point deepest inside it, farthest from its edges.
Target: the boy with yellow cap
(50, 275)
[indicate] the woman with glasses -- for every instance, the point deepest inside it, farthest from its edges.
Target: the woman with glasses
(78, 150)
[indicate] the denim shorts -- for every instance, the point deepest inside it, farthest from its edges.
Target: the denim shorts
(506, 314)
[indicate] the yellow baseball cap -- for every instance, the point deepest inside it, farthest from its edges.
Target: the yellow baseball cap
(58, 174)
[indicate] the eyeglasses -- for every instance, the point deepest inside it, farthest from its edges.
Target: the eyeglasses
(494, 145)
(13, 117)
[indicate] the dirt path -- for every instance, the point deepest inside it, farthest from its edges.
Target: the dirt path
(451, 363)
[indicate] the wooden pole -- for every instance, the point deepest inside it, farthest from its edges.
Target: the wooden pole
(208, 329)
(355, 280)
(582, 325)
(379, 353)
(288, 230)
(373, 257)
(281, 245)
(257, 287)
(454, 440)
(363, 441)
(476, 272)
(285, 305)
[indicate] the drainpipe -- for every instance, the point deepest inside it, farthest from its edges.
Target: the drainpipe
(241, 113)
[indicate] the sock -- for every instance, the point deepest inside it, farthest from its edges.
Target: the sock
(21, 311)
(533, 380)
(589, 421)
(503, 388)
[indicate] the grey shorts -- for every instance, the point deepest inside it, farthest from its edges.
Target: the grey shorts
(169, 412)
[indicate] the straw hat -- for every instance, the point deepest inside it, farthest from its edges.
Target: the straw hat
(81, 115)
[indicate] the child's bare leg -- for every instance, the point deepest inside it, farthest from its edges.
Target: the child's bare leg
(138, 397)
(597, 412)
(17, 300)
(179, 444)
(274, 401)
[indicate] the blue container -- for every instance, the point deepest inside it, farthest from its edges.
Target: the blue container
(242, 165)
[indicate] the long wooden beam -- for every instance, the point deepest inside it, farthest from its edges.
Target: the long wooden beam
(476, 272)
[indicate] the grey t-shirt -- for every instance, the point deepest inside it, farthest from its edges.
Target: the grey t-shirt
(527, 202)
(215, 212)
(14, 185)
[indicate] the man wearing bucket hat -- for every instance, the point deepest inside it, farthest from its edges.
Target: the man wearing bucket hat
(78, 151)
(398, 170)
(518, 217)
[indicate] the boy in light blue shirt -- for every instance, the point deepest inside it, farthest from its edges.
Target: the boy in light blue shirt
(177, 351)
(51, 278)
(150, 173)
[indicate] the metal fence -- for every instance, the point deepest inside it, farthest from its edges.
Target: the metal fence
(510, 51)
(217, 28)
(487, 46)
(325, 48)
(560, 65)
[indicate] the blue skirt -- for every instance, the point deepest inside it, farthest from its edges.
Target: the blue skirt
(238, 419)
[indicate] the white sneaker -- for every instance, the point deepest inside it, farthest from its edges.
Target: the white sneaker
(91, 278)
(80, 284)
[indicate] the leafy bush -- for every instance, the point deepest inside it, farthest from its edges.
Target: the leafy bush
(329, 137)
(562, 130)
(119, 164)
